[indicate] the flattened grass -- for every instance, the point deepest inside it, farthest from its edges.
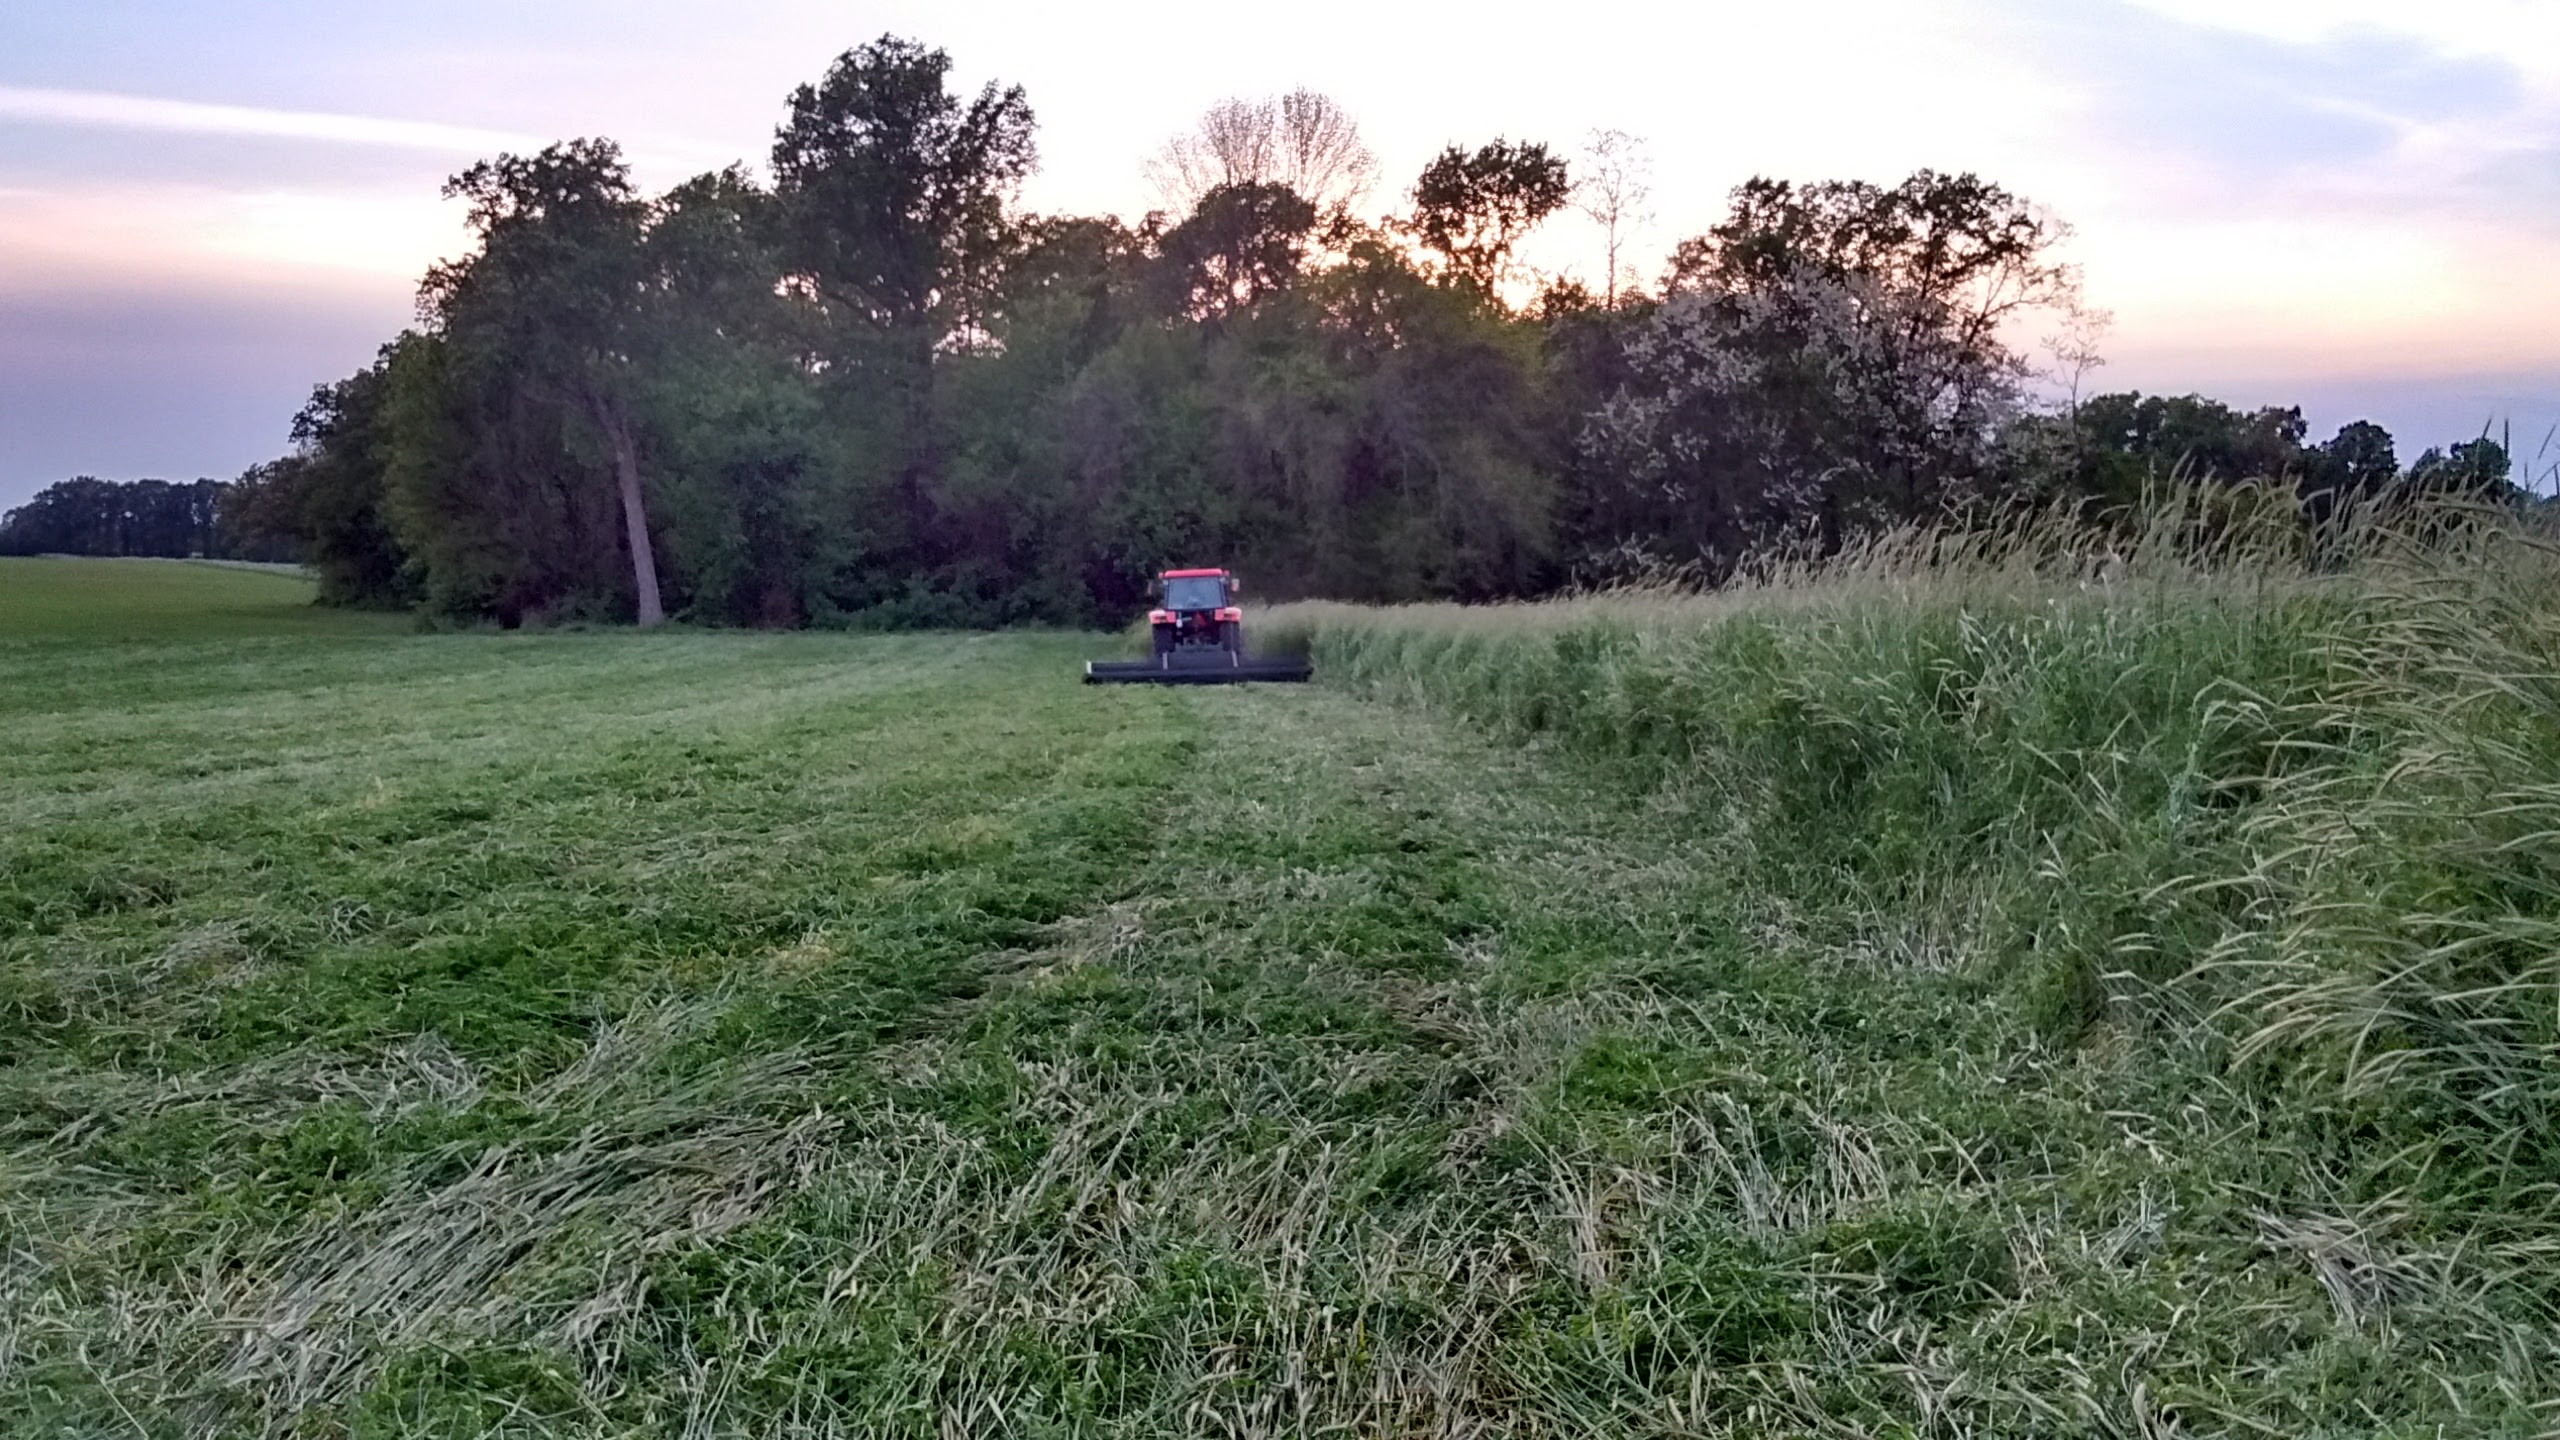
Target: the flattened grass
(369, 998)
(602, 1034)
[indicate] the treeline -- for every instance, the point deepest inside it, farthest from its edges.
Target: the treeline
(874, 391)
(160, 518)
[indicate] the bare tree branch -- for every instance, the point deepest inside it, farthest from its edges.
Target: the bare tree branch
(1302, 140)
(1613, 191)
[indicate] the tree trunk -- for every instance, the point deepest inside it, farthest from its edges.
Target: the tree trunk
(1611, 303)
(635, 516)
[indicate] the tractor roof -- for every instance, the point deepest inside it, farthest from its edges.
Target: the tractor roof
(1187, 574)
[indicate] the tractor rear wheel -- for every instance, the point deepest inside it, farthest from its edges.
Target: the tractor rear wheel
(1164, 645)
(1231, 640)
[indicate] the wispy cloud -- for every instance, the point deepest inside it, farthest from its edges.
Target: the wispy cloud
(96, 238)
(136, 112)
(2524, 33)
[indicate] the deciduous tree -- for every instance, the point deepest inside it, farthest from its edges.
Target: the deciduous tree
(1831, 356)
(2479, 468)
(558, 298)
(335, 487)
(89, 516)
(1301, 140)
(1245, 241)
(893, 190)
(1615, 189)
(1473, 206)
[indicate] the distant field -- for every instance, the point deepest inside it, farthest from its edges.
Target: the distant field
(62, 597)
(1659, 1021)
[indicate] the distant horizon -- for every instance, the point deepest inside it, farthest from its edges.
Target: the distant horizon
(2341, 207)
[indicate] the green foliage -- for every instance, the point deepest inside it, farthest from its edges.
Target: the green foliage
(2479, 469)
(1827, 360)
(1472, 207)
(893, 191)
(1242, 242)
(559, 266)
(2131, 442)
(880, 395)
(254, 517)
(496, 494)
(1947, 236)
(2360, 457)
(554, 314)
(331, 494)
(2117, 449)
(88, 516)
(751, 488)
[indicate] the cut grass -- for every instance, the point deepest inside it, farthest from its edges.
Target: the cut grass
(71, 598)
(601, 1034)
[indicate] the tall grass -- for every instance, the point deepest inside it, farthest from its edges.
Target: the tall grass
(2293, 799)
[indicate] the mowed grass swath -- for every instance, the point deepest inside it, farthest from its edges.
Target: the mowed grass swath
(2044, 986)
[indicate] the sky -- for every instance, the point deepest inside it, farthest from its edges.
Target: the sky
(209, 206)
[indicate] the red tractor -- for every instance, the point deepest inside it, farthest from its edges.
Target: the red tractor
(1197, 609)
(1199, 638)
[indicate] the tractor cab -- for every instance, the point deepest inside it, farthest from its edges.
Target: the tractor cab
(1192, 591)
(1196, 609)
(1196, 595)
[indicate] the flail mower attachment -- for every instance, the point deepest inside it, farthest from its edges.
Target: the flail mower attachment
(1199, 639)
(1192, 670)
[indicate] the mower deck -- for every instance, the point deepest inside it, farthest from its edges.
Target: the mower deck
(1208, 667)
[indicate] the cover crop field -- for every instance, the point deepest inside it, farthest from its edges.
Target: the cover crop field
(1946, 998)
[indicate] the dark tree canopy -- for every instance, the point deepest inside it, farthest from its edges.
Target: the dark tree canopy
(334, 485)
(558, 301)
(1472, 207)
(156, 518)
(2190, 434)
(2479, 468)
(878, 393)
(1244, 241)
(558, 285)
(1829, 357)
(1954, 239)
(894, 191)
(2359, 457)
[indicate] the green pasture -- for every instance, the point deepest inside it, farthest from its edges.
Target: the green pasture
(720, 1033)
(70, 598)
